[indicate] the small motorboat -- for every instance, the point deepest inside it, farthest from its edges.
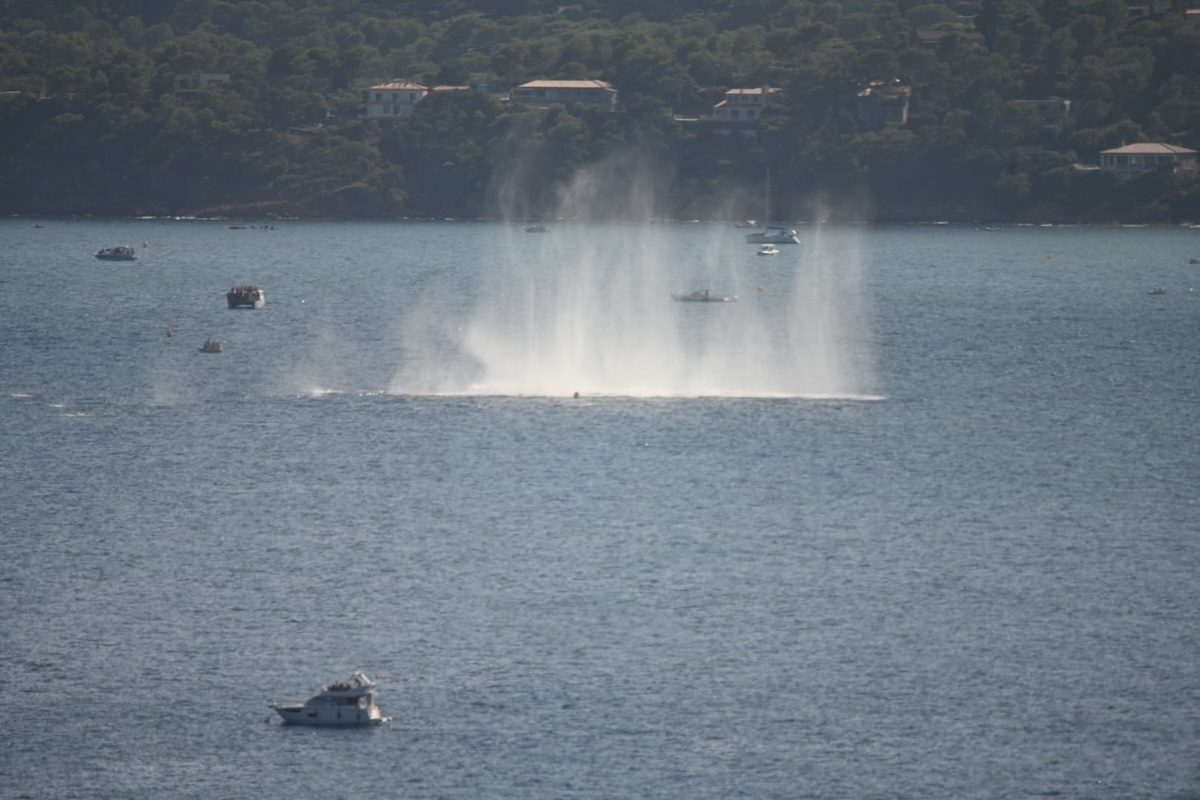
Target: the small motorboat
(768, 250)
(246, 296)
(535, 228)
(209, 346)
(121, 252)
(346, 704)
(704, 297)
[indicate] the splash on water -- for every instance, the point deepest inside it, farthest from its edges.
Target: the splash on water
(586, 308)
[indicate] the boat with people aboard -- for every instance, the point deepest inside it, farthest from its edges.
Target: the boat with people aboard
(246, 296)
(121, 252)
(704, 296)
(768, 250)
(349, 703)
(210, 346)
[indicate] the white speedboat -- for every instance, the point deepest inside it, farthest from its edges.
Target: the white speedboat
(349, 703)
(768, 250)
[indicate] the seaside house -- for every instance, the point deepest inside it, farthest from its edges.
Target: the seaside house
(883, 103)
(1137, 159)
(397, 98)
(599, 95)
(746, 105)
(738, 111)
(394, 99)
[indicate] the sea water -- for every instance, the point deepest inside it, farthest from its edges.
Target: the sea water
(915, 517)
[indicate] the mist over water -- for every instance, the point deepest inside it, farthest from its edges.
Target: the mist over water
(587, 308)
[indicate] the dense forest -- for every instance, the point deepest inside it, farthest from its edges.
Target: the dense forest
(92, 121)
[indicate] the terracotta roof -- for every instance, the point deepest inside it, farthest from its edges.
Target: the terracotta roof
(756, 90)
(566, 85)
(396, 84)
(1150, 148)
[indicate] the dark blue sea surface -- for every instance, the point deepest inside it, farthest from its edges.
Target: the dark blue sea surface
(916, 517)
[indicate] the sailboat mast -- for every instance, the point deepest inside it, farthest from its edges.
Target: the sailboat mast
(767, 200)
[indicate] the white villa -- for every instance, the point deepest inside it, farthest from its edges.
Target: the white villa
(738, 111)
(746, 105)
(397, 98)
(541, 94)
(393, 99)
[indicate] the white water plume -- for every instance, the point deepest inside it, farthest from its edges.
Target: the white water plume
(586, 308)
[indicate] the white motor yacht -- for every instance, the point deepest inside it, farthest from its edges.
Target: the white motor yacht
(349, 703)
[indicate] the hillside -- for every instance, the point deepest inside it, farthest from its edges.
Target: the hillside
(94, 119)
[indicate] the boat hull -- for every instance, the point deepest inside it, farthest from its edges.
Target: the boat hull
(257, 302)
(329, 717)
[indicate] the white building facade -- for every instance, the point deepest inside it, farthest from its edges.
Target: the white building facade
(394, 99)
(599, 95)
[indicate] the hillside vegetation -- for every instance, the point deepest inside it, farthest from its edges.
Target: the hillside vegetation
(92, 122)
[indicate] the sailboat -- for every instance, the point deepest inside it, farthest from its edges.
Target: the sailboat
(772, 233)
